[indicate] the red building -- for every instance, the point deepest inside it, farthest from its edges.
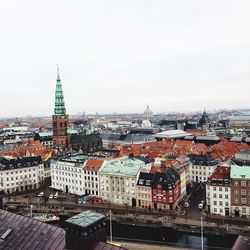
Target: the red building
(166, 190)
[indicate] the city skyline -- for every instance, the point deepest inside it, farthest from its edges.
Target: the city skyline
(120, 56)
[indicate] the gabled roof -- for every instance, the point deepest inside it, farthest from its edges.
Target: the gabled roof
(93, 165)
(28, 233)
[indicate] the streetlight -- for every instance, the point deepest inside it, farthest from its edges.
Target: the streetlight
(31, 206)
(201, 233)
(110, 227)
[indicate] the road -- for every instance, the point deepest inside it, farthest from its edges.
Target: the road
(199, 194)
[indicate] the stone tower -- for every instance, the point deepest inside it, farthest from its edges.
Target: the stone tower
(60, 119)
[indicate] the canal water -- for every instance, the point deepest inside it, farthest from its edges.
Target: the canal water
(171, 237)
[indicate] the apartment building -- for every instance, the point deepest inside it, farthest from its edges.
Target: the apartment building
(21, 174)
(91, 176)
(240, 190)
(143, 190)
(202, 167)
(218, 192)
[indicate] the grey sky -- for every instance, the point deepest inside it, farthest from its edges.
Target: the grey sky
(122, 55)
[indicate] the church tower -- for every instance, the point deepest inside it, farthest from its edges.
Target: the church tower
(60, 119)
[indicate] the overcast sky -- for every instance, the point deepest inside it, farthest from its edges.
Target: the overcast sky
(119, 56)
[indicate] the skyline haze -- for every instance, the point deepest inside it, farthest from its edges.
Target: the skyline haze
(119, 56)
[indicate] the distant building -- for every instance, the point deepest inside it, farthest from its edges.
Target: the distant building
(218, 192)
(204, 121)
(60, 119)
(21, 174)
(86, 143)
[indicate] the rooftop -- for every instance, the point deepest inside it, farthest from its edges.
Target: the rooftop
(124, 166)
(24, 233)
(172, 134)
(240, 172)
(85, 219)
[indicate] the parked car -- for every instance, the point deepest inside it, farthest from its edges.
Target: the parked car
(41, 194)
(201, 205)
(186, 205)
(56, 195)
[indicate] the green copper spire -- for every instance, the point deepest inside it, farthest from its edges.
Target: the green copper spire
(59, 100)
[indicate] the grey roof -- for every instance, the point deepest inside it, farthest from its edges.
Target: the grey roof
(134, 138)
(85, 219)
(28, 233)
(145, 179)
(20, 163)
(110, 136)
(85, 138)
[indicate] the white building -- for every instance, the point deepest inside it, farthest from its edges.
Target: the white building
(77, 174)
(118, 179)
(202, 167)
(21, 175)
(91, 176)
(67, 175)
(218, 192)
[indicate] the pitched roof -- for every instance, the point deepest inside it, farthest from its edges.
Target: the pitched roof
(93, 165)
(28, 233)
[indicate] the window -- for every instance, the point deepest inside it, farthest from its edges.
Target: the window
(214, 188)
(215, 203)
(243, 192)
(220, 188)
(226, 204)
(214, 195)
(221, 203)
(236, 200)
(236, 183)
(221, 210)
(243, 201)
(226, 189)
(243, 183)
(215, 210)
(220, 196)
(236, 192)
(244, 210)
(226, 196)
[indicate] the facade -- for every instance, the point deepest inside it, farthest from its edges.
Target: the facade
(240, 190)
(78, 174)
(143, 190)
(202, 167)
(91, 176)
(67, 175)
(60, 119)
(218, 192)
(165, 190)
(86, 143)
(21, 175)
(118, 179)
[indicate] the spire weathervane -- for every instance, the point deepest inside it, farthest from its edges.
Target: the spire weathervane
(58, 77)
